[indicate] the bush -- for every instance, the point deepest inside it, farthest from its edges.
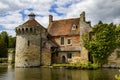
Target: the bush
(117, 77)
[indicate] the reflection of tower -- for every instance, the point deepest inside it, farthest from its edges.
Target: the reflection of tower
(32, 74)
(27, 43)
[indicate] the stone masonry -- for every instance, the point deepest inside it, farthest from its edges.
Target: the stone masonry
(60, 43)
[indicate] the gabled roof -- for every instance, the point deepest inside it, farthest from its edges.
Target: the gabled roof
(64, 27)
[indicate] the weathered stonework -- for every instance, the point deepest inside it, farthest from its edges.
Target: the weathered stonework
(37, 46)
(11, 56)
(114, 58)
(28, 43)
(27, 53)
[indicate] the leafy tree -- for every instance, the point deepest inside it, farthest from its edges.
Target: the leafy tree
(6, 42)
(5, 38)
(12, 42)
(118, 36)
(3, 48)
(103, 43)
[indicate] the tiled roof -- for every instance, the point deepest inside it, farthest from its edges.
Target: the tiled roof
(30, 23)
(64, 27)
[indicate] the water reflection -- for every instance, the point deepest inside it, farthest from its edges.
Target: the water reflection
(49, 74)
(27, 74)
(55, 74)
(63, 74)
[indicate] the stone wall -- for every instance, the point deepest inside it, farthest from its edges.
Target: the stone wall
(11, 56)
(114, 58)
(59, 57)
(46, 58)
(27, 54)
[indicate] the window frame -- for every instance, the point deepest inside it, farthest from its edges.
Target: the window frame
(62, 43)
(28, 43)
(74, 27)
(69, 55)
(68, 41)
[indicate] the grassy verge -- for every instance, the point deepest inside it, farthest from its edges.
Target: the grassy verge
(77, 65)
(3, 60)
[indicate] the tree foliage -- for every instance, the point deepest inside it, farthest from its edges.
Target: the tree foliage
(6, 42)
(118, 36)
(103, 42)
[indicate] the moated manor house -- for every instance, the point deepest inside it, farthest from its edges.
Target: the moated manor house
(61, 42)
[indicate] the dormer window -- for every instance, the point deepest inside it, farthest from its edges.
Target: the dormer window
(74, 27)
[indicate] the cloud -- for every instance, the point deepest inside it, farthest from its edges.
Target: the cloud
(14, 12)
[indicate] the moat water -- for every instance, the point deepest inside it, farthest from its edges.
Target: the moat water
(56, 74)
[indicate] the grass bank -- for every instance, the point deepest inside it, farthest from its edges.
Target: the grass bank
(77, 66)
(3, 60)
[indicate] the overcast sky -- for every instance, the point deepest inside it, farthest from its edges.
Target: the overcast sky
(14, 12)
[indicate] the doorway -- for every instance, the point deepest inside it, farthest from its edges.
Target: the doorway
(63, 59)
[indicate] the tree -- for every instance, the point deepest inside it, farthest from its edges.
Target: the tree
(118, 36)
(103, 44)
(3, 48)
(12, 42)
(6, 42)
(4, 37)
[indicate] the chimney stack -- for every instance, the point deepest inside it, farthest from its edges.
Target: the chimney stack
(82, 17)
(50, 18)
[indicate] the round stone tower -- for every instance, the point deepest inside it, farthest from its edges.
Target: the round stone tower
(28, 38)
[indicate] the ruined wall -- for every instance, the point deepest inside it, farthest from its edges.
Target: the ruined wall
(85, 29)
(11, 56)
(114, 58)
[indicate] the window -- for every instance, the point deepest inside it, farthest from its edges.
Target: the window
(56, 54)
(30, 29)
(74, 27)
(28, 43)
(26, 29)
(69, 41)
(62, 40)
(22, 30)
(69, 55)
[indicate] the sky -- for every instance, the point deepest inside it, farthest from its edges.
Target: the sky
(14, 12)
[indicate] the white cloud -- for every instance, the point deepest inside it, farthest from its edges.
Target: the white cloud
(105, 10)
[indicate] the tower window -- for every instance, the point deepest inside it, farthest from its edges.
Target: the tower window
(22, 30)
(26, 29)
(30, 29)
(28, 43)
(69, 55)
(74, 27)
(62, 40)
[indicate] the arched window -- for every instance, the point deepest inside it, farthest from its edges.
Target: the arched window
(22, 30)
(31, 29)
(28, 43)
(26, 29)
